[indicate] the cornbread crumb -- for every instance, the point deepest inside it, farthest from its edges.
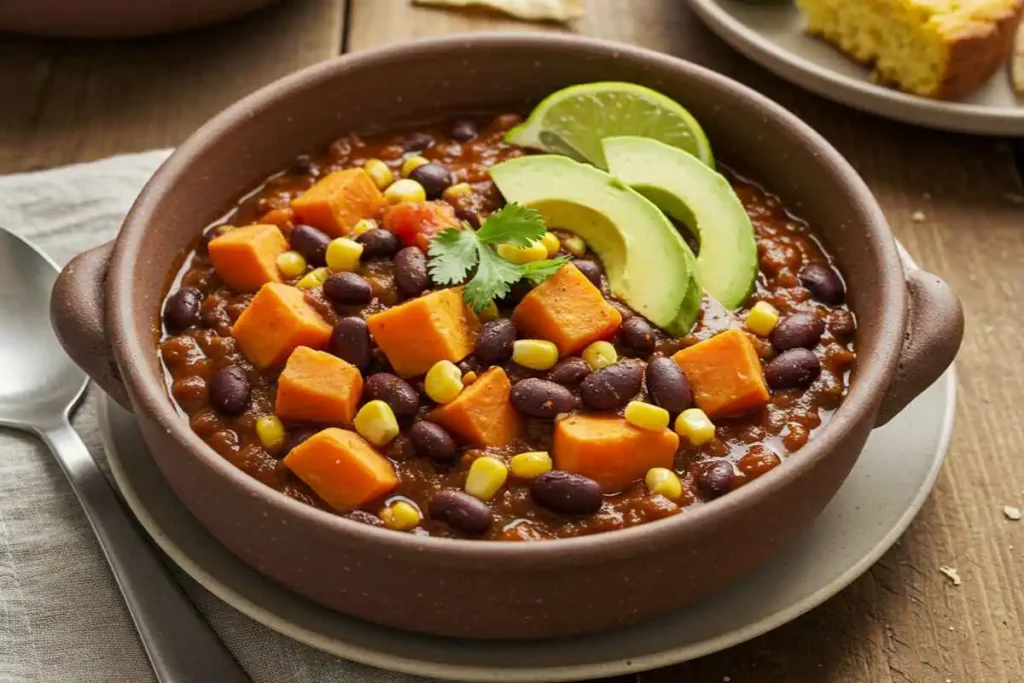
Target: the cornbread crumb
(942, 49)
(1012, 513)
(918, 217)
(951, 573)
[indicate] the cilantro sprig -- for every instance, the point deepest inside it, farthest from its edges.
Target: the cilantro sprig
(454, 254)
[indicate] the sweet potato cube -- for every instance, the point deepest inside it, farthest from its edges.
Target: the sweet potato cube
(567, 310)
(724, 373)
(342, 468)
(246, 258)
(418, 333)
(277, 321)
(610, 450)
(482, 414)
(318, 387)
(416, 223)
(338, 201)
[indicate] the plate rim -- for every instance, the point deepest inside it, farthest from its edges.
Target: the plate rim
(961, 117)
(552, 674)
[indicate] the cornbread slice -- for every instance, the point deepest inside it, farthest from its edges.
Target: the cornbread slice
(941, 49)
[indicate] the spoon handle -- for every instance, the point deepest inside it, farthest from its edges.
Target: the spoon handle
(180, 644)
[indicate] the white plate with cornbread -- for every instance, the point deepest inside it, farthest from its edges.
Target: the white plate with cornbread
(946, 64)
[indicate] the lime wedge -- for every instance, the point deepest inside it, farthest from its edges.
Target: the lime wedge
(574, 120)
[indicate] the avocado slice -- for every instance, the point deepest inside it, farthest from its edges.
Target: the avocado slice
(647, 263)
(702, 199)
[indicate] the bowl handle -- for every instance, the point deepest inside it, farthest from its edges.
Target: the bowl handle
(78, 316)
(935, 328)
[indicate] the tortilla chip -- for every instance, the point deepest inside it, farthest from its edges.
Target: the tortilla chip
(528, 10)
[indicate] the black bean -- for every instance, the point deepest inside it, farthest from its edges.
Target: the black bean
(668, 386)
(541, 398)
(823, 283)
(434, 178)
(470, 216)
(566, 493)
(638, 334)
(394, 391)
(463, 130)
(182, 309)
(591, 270)
(516, 293)
(411, 271)
(364, 517)
(350, 341)
(229, 390)
(379, 243)
(461, 511)
(841, 324)
(623, 309)
(715, 479)
(798, 330)
(348, 288)
(297, 437)
(311, 243)
(432, 441)
(417, 141)
(793, 369)
(494, 343)
(612, 387)
(569, 371)
(303, 165)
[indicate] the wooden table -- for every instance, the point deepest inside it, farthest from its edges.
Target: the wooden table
(903, 621)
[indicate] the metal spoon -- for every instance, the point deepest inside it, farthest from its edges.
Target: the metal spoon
(39, 387)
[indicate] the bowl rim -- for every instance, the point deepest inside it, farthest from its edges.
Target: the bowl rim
(150, 395)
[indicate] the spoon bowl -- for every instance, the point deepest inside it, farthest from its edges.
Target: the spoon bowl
(38, 381)
(39, 387)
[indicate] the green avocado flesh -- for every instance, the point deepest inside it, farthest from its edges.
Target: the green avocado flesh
(647, 263)
(694, 194)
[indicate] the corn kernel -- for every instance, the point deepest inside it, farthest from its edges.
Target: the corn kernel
(271, 432)
(575, 245)
(646, 416)
(600, 354)
(489, 313)
(443, 382)
(379, 173)
(469, 378)
(401, 516)
(694, 426)
(662, 481)
(536, 354)
(530, 465)
(535, 252)
(762, 318)
(551, 243)
(314, 278)
(343, 254)
(361, 226)
(405, 190)
(486, 476)
(457, 190)
(412, 163)
(376, 423)
(291, 264)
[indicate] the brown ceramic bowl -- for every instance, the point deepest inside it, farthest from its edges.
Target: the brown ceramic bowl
(106, 306)
(117, 18)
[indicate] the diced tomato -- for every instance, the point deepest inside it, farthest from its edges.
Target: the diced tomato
(416, 223)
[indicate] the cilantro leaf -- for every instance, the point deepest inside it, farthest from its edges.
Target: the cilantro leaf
(539, 271)
(492, 280)
(453, 253)
(512, 224)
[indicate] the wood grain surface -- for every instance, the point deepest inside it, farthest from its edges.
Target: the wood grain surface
(956, 202)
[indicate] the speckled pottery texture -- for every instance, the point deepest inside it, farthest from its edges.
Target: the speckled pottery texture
(481, 589)
(117, 18)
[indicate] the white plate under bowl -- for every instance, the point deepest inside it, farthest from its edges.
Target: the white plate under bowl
(773, 35)
(874, 506)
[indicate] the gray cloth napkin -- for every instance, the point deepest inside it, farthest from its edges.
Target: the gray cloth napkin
(62, 619)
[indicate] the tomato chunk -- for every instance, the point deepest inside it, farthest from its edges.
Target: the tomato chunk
(416, 223)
